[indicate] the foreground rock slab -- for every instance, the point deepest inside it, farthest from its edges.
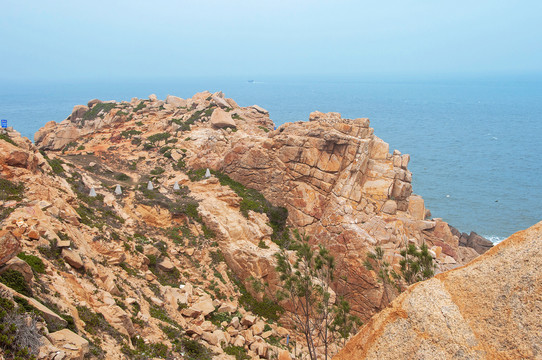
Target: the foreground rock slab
(488, 309)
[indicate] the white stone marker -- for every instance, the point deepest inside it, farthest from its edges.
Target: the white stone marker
(92, 192)
(207, 174)
(149, 186)
(176, 186)
(118, 190)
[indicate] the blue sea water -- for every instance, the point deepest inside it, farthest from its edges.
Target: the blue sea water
(475, 144)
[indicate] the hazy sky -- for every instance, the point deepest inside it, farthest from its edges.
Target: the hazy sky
(85, 39)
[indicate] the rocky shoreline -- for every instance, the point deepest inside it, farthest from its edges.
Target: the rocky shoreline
(155, 262)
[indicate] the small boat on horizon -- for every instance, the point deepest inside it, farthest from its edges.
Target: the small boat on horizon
(250, 81)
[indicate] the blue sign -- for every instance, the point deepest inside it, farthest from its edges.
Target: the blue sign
(4, 123)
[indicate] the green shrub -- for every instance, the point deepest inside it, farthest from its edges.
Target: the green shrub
(193, 350)
(16, 281)
(140, 106)
(19, 339)
(96, 323)
(122, 177)
(158, 137)
(35, 262)
(158, 171)
(6, 138)
(56, 165)
(238, 351)
(144, 351)
(129, 133)
(10, 190)
(266, 308)
(96, 109)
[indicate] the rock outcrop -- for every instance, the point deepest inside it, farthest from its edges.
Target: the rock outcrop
(488, 309)
(182, 253)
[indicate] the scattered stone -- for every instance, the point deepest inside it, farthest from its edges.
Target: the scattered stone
(204, 306)
(235, 322)
(259, 109)
(9, 246)
(93, 102)
(73, 344)
(248, 320)
(72, 258)
(166, 265)
(390, 207)
(175, 101)
(221, 119)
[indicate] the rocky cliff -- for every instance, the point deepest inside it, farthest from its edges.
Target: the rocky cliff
(488, 309)
(137, 242)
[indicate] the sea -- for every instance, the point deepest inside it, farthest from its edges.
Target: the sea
(475, 142)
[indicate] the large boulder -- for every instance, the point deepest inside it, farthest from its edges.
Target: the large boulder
(175, 101)
(488, 309)
(478, 243)
(78, 112)
(70, 342)
(9, 246)
(72, 258)
(20, 266)
(221, 119)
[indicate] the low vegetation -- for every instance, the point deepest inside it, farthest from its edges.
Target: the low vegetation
(19, 335)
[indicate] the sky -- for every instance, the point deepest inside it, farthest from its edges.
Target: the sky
(125, 39)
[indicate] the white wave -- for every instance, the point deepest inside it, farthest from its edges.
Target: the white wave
(494, 239)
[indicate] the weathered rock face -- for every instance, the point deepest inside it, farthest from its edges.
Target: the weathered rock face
(9, 246)
(343, 188)
(489, 309)
(339, 182)
(221, 119)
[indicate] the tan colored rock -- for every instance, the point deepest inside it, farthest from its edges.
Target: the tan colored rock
(9, 246)
(33, 234)
(466, 313)
(194, 329)
(93, 102)
(148, 249)
(20, 266)
(257, 329)
(72, 258)
(248, 320)
(53, 320)
(175, 101)
(390, 207)
(211, 338)
(78, 111)
(220, 119)
(284, 355)
(205, 306)
(259, 109)
(166, 265)
(416, 207)
(227, 308)
(239, 341)
(70, 343)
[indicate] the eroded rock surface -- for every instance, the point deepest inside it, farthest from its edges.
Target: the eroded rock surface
(488, 309)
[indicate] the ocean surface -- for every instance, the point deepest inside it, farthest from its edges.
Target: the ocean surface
(475, 144)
